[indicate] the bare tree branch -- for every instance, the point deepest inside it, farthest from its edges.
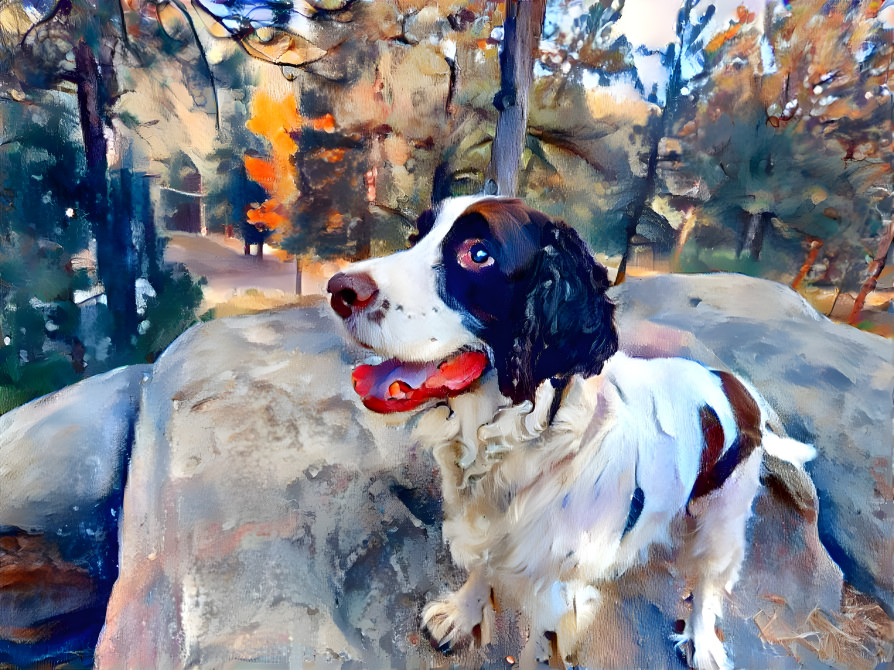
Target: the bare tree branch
(816, 245)
(875, 271)
(570, 142)
(195, 34)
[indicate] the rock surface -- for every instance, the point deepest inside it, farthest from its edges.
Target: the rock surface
(62, 471)
(271, 521)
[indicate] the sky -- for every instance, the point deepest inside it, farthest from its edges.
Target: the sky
(651, 23)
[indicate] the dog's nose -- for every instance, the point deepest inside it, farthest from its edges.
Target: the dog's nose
(351, 292)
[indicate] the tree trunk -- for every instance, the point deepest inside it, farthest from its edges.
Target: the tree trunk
(685, 230)
(644, 194)
(441, 183)
(114, 246)
(153, 251)
(752, 239)
(298, 275)
(657, 128)
(90, 108)
(815, 246)
(362, 234)
(875, 271)
(521, 38)
(122, 255)
(834, 302)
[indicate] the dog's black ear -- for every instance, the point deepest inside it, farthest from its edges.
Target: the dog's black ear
(562, 319)
(424, 224)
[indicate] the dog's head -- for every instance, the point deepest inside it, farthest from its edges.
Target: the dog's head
(488, 282)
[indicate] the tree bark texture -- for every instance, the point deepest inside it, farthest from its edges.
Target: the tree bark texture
(815, 247)
(521, 38)
(751, 241)
(875, 271)
(111, 217)
(645, 192)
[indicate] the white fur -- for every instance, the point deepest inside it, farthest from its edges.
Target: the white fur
(417, 325)
(788, 449)
(541, 509)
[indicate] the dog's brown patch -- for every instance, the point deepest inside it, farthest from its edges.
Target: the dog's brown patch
(745, 408)
(715, 468)
(712, 431)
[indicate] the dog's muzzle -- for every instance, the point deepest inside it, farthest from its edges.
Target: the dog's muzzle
(351, 293)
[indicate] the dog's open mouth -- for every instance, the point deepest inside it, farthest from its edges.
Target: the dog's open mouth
(399, 386)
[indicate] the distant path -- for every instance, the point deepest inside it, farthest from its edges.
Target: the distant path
(230, 273)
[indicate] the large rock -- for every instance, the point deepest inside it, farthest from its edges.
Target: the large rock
(62, 471)
(269, 519)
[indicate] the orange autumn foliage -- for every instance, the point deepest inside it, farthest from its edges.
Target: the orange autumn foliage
(743, 16)
(262, 171)
(270, 215)
(275, 119)
(325, 123)
(331, 155)
(725, 36)
(722, 38)
(334, 221)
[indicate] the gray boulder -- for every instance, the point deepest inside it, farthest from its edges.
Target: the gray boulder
(63, 463)
(270, 520)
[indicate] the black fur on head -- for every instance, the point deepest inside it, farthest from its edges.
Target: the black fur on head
(537, 299)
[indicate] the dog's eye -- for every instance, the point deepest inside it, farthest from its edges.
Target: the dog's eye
(479, 254)
(473, 255)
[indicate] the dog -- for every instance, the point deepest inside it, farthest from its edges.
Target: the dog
(563, 461)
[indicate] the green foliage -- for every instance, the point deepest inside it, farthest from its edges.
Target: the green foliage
(23, 382)
(55, 324)
(230, 192)
(796, 176)
(783, 143)
(168, 314)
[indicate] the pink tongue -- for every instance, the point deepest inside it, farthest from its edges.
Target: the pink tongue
(397, 386)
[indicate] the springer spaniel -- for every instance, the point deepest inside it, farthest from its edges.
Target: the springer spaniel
(562, 460)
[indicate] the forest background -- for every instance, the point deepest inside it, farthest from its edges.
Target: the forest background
(753, 138)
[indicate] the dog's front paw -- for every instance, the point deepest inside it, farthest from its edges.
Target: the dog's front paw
(540, 649)
(704, 652)
(710, 654)
(455, 622)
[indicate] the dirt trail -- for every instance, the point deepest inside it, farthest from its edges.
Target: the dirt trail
(230, 273)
